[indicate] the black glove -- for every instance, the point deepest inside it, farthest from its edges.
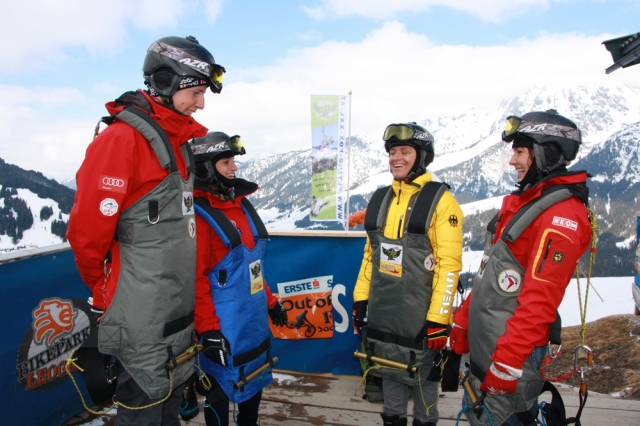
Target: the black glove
(216, 347)
(359, 312)
(278, 315)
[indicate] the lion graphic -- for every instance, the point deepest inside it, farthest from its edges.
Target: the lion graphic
(51, 319)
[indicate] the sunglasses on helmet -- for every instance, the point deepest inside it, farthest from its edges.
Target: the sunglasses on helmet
(516, 125)
(403, 132)
(216, 74)
(513, 124)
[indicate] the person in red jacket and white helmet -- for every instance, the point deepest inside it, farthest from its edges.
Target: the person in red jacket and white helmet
(132, 228)
(531, 251)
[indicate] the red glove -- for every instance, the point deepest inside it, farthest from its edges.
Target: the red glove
(436, 336)
(501, 379)
(459, 340)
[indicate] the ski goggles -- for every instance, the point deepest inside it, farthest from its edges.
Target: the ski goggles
(206, 151)
(515, 125)
(216, 74)
(402, 132)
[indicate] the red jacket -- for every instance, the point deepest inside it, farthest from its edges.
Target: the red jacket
(211, 250)
(548, 250)
(120, 155)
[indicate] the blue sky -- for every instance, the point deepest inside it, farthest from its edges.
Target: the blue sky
(404, 60)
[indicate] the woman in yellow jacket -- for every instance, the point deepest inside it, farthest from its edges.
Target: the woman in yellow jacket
(409, 274)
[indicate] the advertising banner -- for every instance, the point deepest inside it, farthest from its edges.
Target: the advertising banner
(308, 305)
(329, 128)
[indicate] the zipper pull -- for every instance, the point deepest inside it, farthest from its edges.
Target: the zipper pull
(400, 224)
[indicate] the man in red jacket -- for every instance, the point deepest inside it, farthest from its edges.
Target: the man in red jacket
(132, 227)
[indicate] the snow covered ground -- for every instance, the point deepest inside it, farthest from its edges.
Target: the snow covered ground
(607, 295)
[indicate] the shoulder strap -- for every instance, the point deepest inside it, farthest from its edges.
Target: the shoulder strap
(152, 132)
(188, 157)
(219, 222)
(257, 226)
(532, 210)
(375, 216)
(425, 205)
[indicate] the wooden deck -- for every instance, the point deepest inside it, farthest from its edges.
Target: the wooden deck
(297, 399)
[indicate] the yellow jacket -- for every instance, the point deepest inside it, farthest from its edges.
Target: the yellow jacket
(445, 233)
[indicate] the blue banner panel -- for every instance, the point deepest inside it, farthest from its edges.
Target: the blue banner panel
(40, 307)
(25, 283)
(298, 258)
(636, 272)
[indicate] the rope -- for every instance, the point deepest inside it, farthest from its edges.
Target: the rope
(71, 362)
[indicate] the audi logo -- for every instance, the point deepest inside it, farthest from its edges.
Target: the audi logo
(119, 183)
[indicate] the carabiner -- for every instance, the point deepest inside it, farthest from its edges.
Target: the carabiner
(553, 353)
(589, 359)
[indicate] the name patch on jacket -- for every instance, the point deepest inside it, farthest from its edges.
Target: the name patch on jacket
(255, 273)
(391, 259)
(565, 223)
(112, 184)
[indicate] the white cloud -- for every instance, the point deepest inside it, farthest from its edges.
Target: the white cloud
(487, 10)
(40, 35)
(395, 75)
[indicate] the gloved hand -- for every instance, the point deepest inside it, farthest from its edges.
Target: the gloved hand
(436, 336)
(501, 379)
(216, 347)
(459, 339)
(359, 312)
(278, 315)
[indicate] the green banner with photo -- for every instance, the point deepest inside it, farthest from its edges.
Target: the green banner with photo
(329, 123)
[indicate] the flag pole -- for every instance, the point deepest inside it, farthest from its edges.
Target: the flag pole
(346, 223)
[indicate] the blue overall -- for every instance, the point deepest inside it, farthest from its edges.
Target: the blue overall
(237, 289)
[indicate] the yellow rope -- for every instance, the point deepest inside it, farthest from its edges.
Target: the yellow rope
(71, 361)
(592, 261)
(363, 383)
(204, 378)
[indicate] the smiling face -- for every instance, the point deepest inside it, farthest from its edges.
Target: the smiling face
(189, 100)
(227, 167)
(401, 160)
(521, 160)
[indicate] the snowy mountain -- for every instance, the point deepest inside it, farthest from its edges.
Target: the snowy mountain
(470, 156)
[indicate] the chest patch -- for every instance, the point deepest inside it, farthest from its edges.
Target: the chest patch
(187, 203)
(430, 263)
(391, 259)
(255, 273)
(108, 207)
(483, 265)
(510, 280)
(192, 227)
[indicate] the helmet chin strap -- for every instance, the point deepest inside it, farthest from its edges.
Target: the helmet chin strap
(541, 160)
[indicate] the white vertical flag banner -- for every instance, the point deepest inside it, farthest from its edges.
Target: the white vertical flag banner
(329, 127)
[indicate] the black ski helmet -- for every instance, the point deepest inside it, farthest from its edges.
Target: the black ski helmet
(211, 148)
(413, 135)
(556, 139)
(170, 59)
